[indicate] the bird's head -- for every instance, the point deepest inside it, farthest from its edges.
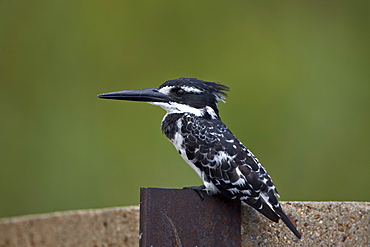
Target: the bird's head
(178, 96)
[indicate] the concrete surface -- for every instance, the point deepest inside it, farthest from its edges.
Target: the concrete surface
(320, 223)
(97, 227)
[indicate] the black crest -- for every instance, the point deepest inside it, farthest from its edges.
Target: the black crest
(212, 88)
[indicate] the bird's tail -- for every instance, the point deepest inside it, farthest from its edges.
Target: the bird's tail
(287, 222)
(264, 209)
(274, 215)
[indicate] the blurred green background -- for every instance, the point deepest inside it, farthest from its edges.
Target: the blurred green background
(298, 72)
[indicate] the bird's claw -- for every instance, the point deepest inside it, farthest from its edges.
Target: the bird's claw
(197, 189)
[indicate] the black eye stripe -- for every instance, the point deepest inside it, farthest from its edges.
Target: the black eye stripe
(178, 91)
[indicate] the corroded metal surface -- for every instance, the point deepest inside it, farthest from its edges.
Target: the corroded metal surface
(179, 217)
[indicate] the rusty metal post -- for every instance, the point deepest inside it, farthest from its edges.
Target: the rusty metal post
(179, 217)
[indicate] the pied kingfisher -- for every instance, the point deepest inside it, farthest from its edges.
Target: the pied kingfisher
(193, 125)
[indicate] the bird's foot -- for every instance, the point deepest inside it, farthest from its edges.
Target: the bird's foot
(197, 189)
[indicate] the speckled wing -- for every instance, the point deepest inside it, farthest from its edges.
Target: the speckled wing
(225, 162)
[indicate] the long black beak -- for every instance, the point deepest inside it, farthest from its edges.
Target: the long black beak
(146, 95)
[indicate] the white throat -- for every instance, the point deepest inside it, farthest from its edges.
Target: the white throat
(174, 107)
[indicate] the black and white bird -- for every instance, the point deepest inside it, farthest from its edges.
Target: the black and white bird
(193, 125)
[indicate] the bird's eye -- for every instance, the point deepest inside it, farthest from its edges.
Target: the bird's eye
(180, 92)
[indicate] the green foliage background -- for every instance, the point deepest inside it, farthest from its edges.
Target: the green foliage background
(299, 77)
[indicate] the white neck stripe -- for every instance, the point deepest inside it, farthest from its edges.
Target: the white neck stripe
(173, 107)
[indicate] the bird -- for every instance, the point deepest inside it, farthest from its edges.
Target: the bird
(193, 125)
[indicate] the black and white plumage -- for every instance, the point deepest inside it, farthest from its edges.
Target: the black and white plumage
(193, 125)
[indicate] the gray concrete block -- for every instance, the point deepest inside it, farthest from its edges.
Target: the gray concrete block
(97, 227)
(320, 223)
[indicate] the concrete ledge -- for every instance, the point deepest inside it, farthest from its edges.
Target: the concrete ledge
(321, 223)
(98, 227)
